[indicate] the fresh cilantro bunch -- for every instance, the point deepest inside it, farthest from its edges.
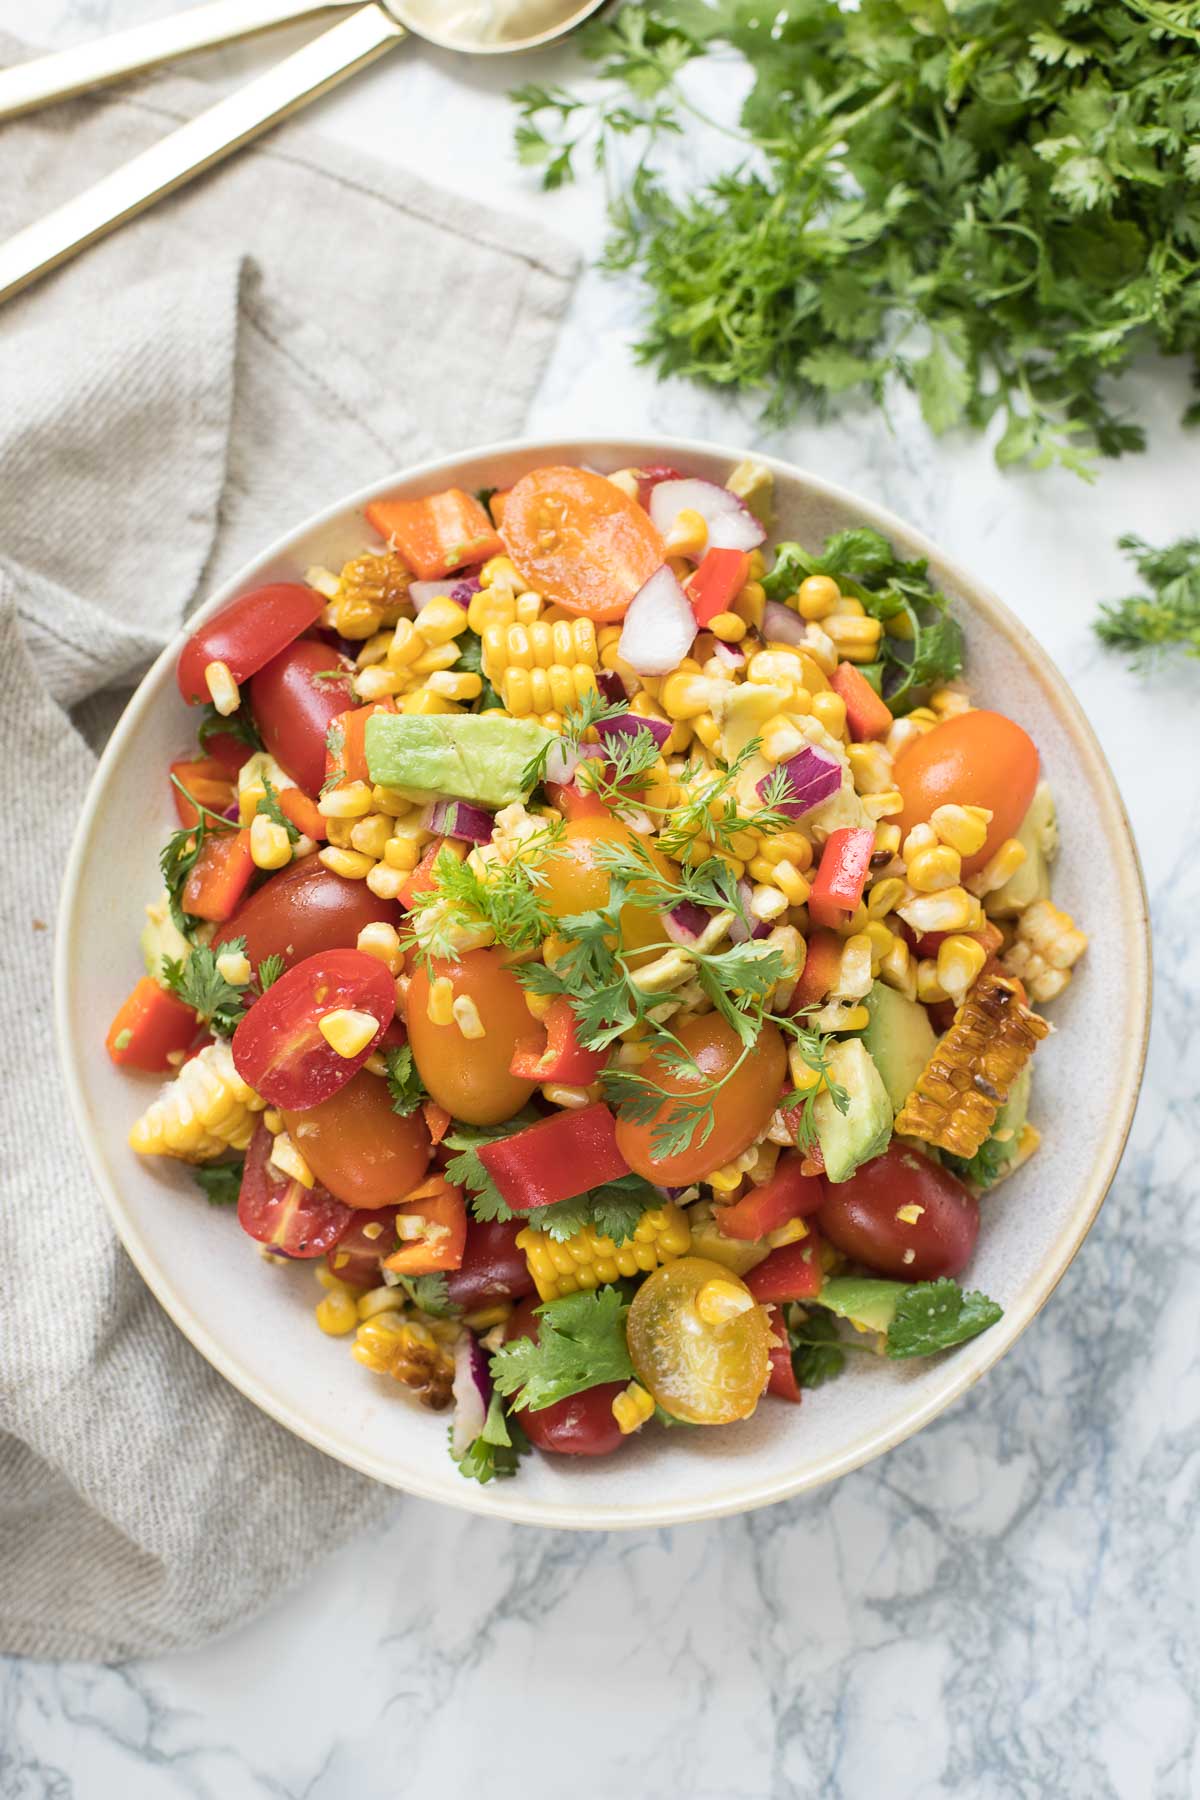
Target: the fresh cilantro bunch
(1169, 617)
(995, 204)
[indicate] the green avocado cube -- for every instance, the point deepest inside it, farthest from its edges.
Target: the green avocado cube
(465, 756)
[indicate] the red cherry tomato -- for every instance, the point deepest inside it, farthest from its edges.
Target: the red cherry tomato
(492, 1267)
(278, 1047)
(861, 1217)
(304, 909)
(370, 1236)
(582, 1424)
(364, 1152)
(246, 634)
(294, 710)
(294, 1220)
(977, 759)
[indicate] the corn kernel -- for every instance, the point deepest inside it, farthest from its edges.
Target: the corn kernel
(688, 535)
(435, 658)
(685, 696)
(817, 596)
(384, 882)
(805, 1078)
(999, 868)
(829, 710)
(787, 877)
(499, 569)
(781, 740)
(632, 1408)
(880, 940)
(897, 969)
(273, 1119)
(350, 863)
(871, 767)
(352, 800)
(627, 481)
(718, 1301)
(960, 961)
(931, 871)
(856, 640)
(769, 901)
(854, 974)
(441, 620)
(728, 627)
(401, 853)
(950, 909)
(751, 603)
(336, 1314)
(964, 828)
(465, 1014)
(382, 941)
(884, 896)
(288, 1160)
(270, 845)
(233, 966)
(223, 690)
(440, 1005)
(929, 989)
(371, 835)
(378, 1300)
(794, 1232)
(346, 1031)
(378, 684)
(426, 704)
(452, 685)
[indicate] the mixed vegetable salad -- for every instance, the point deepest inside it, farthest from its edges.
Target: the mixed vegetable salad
(606, 949)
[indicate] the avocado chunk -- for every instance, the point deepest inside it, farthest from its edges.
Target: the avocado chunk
(863, 1131)
(468, 756)
(864, 1299)
(900, 1039)
(738, 1254)
(754, 485)
(162, 941)
(1039, 833)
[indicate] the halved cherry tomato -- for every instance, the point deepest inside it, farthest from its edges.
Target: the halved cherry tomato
(575, 880)
(278, 1047)
(707, 1373)
(471, 1077)
(148, 1025)
(294, 1220)
(555, 1053)
(862, 1217)
(741, 1107)
(555, 1159)
(303, 909)
(294, 709)
(580, 1425)
(246, 634)
(574, 802)
(793, 1273)
(440, 1210)
(579, 541)
(364, 1152)
(782, 1380)
(976, 759)
(208, 783)
(220, 876)
(359, 1252)
(492, 1268)
(437, 533)
(867, 716)
(790, 1194)
(719, 579)
(822, 966)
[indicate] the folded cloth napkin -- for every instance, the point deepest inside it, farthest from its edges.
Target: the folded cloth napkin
(298, 322)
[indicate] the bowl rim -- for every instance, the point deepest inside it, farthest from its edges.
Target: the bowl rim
(504, 1500)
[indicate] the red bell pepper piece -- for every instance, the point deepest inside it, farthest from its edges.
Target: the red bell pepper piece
(220, 876)
(867, 716)
(421, 880)
(782, 1379)
(845, 864)
(721, 576)
(437, 534)
(296, 806)
(441, 1207)
(555, 1159)
(148, 1025)
(822, 966)
(208, 783)
(790, 1194)
(574, 802)
(793, 1273)
(557, 1055)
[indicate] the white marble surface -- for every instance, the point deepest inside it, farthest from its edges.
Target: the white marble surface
(1005, 1605)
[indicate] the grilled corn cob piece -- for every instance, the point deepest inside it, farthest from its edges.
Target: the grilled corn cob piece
(586, 1260)
(1047, 947)
(372, 591)
(966, 1081)
(206, 1110)
(410, 1353)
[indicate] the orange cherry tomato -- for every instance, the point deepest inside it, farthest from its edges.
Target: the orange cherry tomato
(470, 1077)
(977, 759)
(576, 881)
(741, 1109)
(362, 1151)
(580, 541)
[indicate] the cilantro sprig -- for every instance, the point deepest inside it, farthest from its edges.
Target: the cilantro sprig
(405, 1086)
(1146, 626)
(269, 804)
(581, 1344)
(509, 902)
(199, 983)
(220, 1182)
(498, 1448)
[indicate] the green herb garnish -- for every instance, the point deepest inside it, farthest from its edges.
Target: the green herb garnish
(1145, 626)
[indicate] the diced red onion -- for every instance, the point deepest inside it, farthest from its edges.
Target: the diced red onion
(233, 812)
(731, 524)
(659, 626)
(472, 1391)
(685, 923)
(562, 761)
(649, 478)
(422, 592)
(465, 591)
(458, 819)
(782, 626)
(739, 931)
(610, 685)
(813, 775)
(732, 655)
(668, 1193)
(629, 724)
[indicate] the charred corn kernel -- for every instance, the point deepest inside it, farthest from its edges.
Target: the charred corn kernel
(429, 705)
(466, 1016)
(627, 481)
(632, 1408)
(751, 603)
(960, 960)
(898, 969)
(685, 696)
(408, 1351)
(963, 828)
(929, 989)
(794, 1232)
(998, 868)
(337, 1314)
(719, 1300)
(817, 596)
(884, 896)
(871, 767)
(382, 941)
(791, 883)
(206, 1109)
(968, 1077)
(829, 710)
(352, 800)
(1047, 946)
(223, 690)
(233, 966)
(499, 569)
(688, 536)
(370, 835)
(270, 845)
(437, 657)
(385, 883)
(728, 627)
(379, 683)
(376, 583)
(781, 740)
(452, 685)
(950, 909)
(401, 853)
(406, 645)
(441, 620)
(932, 871)
(287, 1159)
(855, 640)
(353, 864)
(586, 1260)
(439, 1007)
(561, 1093)
(346, 1031)
(880, 940)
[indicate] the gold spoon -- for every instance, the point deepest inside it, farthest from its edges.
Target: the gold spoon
(477, 27)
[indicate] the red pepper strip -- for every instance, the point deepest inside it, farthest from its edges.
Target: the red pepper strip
(558, 1055)
(296, 806)
(574, 802)
(444, 1211)
(793, 1273)
(148, 1025)
(788, 1195)
(208, 783)
(721, 576)
(822, 966)
(220, 877)
(555, 1159)
(782, 1379)
(421, 880)
(845, 864)
(866, 714)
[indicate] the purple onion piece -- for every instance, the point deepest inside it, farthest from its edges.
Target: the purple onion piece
(233, 812)
(629, 724)
(562, 761)
(611, 687)
(472, 1391)
(739, 931)
(782, 626)
(732, 655)
(465, 591)
(813, 775)
(458, 819)
(669, 1193)
(686, 922)
(422, 592)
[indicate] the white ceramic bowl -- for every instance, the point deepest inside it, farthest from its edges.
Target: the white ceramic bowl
(254, 1322)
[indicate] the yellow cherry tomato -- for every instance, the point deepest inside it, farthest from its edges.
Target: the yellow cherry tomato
(707, 1373)
(469, 1075)
(575, 882)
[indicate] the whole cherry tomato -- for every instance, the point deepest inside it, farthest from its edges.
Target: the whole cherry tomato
(364, 1152)
(577, 539)
(279, 1047)
(580, 1425)
(470, 1077)
(709, 1373)
(294, 709)
(294, 1220)
(741, 1107)
(976, 759)
(303, 909)
(492, 1267)
(576, 880)
(246, 634)
(864, 1217)
(370, 1236)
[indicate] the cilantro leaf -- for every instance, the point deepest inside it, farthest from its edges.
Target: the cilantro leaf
(817, 1353)
(612, 1210)
(269, 804)
(405, 1086)
(429, 1293)
(935, 1315)
(269, 971)
(221, 1182)
(581, 1344)
(498, 1448)
(984, 1169)
(239, 725)
(1145, 626)
(200, 984)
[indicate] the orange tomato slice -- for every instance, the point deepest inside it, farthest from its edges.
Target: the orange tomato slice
(579, 541)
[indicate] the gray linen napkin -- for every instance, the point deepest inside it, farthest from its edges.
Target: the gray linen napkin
(299, 322)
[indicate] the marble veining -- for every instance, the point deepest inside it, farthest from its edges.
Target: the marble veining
(1005, 1605)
